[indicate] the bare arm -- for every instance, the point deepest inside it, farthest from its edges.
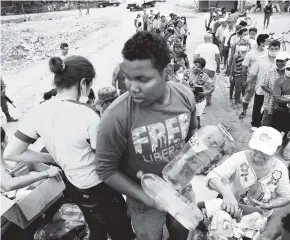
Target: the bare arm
(10, 183)
(115, 75)
(218, 61)
(233, 66)
(280, 99)
(18, 151)
(267, 89)
(244, 73)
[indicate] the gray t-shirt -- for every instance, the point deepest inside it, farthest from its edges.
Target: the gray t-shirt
(133, 137)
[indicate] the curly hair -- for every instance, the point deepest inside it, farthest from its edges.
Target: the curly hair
(144, 45)
(201, 61)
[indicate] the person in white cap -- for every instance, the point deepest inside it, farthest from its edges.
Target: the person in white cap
(281, 112)
(254, 177)
(268, 84)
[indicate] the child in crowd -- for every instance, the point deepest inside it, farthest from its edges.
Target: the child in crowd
(106, 96)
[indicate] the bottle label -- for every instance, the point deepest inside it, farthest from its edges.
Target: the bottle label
(196, 144)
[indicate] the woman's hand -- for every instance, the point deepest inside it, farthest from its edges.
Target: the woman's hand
(262, 204)
(230, 205)
(54, 172)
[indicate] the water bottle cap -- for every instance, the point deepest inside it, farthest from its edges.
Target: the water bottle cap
(140, 174)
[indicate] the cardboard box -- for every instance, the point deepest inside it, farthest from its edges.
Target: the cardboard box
(30, 207)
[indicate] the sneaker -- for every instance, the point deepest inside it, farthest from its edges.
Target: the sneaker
(254, 129)
(242, 115)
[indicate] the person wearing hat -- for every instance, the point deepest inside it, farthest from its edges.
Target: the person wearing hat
(254, 177)
(106, 96)
(281, 112)
(268, 84)
(137, 22)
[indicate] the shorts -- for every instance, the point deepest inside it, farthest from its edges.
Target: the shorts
(200, 108)
(281, 121)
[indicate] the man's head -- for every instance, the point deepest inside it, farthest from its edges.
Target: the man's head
(223, 22)
(281, 59)
(253, 33)
(151, 11)
(138, 15)
(230, 23)
(243, 47)
(208, 38)
(244, 33)
(287, 70)
(144, 11)
(163, 18)
(106, 96)
(262, 40)
(64, 49)
(233, 11)
(274, 48)
(243, 24)
(146, 59)
(269, 3)
(238, 28)
(4, 139)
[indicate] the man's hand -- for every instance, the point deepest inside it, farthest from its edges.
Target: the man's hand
(230, 205)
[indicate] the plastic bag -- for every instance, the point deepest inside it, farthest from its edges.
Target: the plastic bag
(61, 230)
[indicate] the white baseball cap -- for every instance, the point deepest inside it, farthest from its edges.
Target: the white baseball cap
(282, 56)
(266, 140)
(287, 64)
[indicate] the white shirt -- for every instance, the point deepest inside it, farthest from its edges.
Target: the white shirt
(252, 56)
(253, 43)
(68, 130)
(261, 68)
(208, 51)
(228, 33)
(220, 32)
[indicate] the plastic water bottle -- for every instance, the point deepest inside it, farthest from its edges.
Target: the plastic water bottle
(197, 153)
(185, 212)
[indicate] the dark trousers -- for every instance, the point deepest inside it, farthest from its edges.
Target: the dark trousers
(256, 115)
(105, 212)
(145, 26)
(4, 106)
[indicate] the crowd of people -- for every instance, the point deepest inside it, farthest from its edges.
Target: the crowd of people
(152, 109)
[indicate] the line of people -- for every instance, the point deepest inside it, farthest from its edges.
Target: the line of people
(158, 110)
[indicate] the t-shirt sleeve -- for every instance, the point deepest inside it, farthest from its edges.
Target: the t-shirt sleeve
(197, 50)
(247, 60)
(111, 144)
(27, 130)
(226, 170)
(255, 68)
(217, 51)
(283, 186)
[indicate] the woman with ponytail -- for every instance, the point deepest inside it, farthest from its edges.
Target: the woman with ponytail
(68, 130)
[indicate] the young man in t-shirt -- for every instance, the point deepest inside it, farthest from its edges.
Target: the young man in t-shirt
(250, 59)
(281, 113)
(143, 129)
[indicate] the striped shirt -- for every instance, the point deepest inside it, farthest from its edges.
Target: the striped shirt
(269, 81)
(239, 66)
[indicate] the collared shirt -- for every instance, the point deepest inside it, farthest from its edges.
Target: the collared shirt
(269, 82)
(260, 69)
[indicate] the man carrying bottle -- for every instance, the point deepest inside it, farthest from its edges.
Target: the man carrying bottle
(143, 130)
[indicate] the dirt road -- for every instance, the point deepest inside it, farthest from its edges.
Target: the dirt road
(25, 85)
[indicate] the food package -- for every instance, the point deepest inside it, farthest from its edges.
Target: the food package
(61, 230)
